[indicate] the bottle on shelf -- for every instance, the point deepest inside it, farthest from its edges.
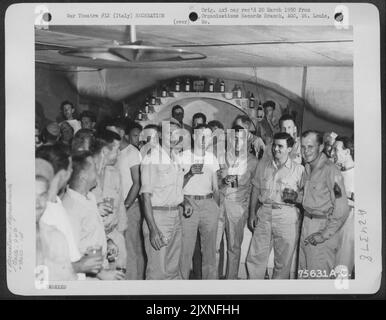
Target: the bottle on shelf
(222, 86)
(164, 92)
(140, 117)
(211, 86)
(238, 93)
(147, 106)
(153, 100)
(251, 101)
(177, 87)
(187, 85)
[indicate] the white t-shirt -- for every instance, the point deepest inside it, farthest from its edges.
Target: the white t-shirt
(56, 215)
(128, 158)
(199, 184)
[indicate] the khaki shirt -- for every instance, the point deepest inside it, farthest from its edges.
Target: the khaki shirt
(109, 185)
(271, 180)
(245, 171)
(162, 177)
(325, 194)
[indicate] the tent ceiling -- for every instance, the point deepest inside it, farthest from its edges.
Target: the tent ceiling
(224, 46)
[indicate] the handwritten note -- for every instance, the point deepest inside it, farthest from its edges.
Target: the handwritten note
(15, 238)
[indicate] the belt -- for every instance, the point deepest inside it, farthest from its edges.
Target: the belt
(314, 216)
(274, 205)
(208, 196)
(165, 208)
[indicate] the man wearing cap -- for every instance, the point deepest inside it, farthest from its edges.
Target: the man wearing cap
(201, 190)
(161, 192)
(239, 170)
(273, 215)
(325, 210)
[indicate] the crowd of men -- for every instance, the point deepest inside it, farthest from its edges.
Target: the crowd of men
(125, 202)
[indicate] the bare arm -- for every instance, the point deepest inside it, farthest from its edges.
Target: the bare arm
(134, 190)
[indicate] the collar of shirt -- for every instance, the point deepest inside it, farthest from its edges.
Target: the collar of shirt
(287, 164)
(77, 196)
(319, 163)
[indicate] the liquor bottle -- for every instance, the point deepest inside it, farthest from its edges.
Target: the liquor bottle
(211, 86)
(140, 116)
(147, 106)
(177, 86)
(187, 85)
(238, 92)
(153, 100)
(251, 101)
(222, 86)
(163, 92)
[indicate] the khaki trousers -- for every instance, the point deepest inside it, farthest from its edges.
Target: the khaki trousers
(135, 266)
(316, 262)
(204, 219)
(164, 264)
(236, 214)
(277, 228)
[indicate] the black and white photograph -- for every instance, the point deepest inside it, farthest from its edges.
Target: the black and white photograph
(196, 152)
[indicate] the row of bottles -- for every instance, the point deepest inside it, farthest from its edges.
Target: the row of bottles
(186, 86)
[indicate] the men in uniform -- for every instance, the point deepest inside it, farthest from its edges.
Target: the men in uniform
(237, 176)
(201, 190)
(325, 210)
(343, 155)
(161, 192)
(273, 215)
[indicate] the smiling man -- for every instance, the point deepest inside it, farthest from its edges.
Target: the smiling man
(325, 209)
(273, 215)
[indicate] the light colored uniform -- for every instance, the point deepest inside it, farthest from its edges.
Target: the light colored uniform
(135, 270)
(204, 218)
(86, 221)
(346, 249)
(278, 222)
(75, 124)
(163, 180)
(54, 254)
(326, 209)
(109, 185)
(235, 207)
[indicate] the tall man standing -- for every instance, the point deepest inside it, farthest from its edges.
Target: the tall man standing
(325, 210)
(343, 155)
(128, 164)
(273, 216)
(240, 169)
(201, 190)
(161, 191)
